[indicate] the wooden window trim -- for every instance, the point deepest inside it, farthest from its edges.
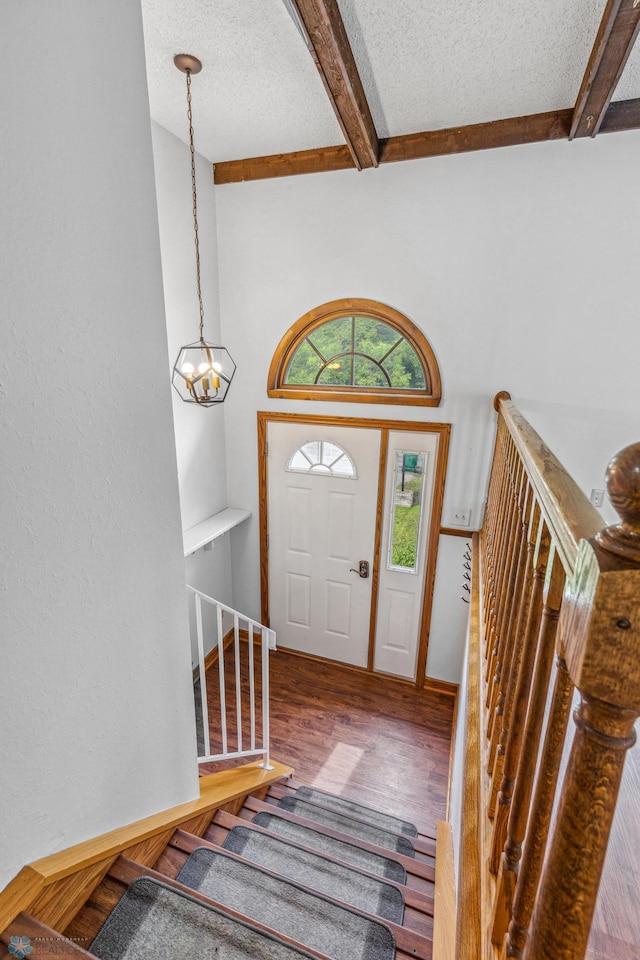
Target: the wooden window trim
(429, 397)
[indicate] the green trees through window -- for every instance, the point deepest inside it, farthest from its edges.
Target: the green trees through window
(355, 350)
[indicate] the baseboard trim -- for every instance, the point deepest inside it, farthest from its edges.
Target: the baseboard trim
(442, 686)
(346, 666)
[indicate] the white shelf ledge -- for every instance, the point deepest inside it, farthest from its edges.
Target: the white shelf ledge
(212, 528)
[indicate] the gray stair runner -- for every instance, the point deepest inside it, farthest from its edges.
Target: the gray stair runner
(306, 836)
(315, 871)
(152, 920)
(353, 828)
(358, 810)
(338, 931)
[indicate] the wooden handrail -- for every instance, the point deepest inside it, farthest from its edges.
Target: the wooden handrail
(547, 579)
(569, 514)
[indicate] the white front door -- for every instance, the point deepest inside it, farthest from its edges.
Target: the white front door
(322, 496)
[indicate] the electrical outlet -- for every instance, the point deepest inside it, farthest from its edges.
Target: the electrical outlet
(462, 516)
(597, 497)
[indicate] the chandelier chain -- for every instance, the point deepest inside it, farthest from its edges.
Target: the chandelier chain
(195, 204)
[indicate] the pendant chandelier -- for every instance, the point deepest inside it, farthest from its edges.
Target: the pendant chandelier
(203, 371)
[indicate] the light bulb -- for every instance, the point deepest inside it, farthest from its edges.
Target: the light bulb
(187, 369)
(203, 368)
(216, 366)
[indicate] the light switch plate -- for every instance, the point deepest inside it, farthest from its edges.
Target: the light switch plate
(462, 516)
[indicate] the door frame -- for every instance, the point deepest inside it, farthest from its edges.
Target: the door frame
(443, 430)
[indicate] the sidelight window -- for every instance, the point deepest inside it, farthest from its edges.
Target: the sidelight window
(406, 510)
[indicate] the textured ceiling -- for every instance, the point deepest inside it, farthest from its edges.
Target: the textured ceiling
(259, 91)
(425, 64)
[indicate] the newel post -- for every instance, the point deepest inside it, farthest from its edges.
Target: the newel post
(600, 628)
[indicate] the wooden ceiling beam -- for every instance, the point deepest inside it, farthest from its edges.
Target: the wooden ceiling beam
(621, 115)
(615, 39)
(329, 45)
(321, 160)
(535, 128)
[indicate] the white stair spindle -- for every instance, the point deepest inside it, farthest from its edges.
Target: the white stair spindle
(204, 708)
(223, 702)
(252, 687)
(236, 649)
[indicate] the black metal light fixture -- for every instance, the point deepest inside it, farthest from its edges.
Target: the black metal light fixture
(203, 371)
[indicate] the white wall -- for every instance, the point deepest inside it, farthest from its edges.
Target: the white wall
(450, 612)
(517, 263)
(199, 431)
(96, 709)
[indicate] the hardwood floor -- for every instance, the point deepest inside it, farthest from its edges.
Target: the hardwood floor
(615, 934)
(357, 734)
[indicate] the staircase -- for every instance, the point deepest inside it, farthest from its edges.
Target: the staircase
(281, 872)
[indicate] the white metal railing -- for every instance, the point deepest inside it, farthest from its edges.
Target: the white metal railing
(227, 626)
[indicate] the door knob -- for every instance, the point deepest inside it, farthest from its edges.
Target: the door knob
(363, 569)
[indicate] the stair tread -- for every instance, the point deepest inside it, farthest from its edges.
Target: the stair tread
(317, 920)
(344, 883)
(418, 914)
(125, 871)
(423, 866)
(353, 826)
(224, 822)
(290, 786)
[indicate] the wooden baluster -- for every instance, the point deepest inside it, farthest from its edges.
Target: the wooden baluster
(600, 622)
(569, 885)
(541, 809)
(496, 559)
(504, 444)
(495, 483)
(508, 630)
(495, 505)
(511, 741)
(489, 534)
(498, 553)
(517, 638)
(505, 587)
(520, 802)
(504, 502)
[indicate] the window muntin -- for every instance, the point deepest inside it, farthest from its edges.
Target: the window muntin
(324, 458)
(358, 351)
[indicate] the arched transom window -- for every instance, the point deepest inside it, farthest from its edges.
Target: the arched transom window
(357, 350)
